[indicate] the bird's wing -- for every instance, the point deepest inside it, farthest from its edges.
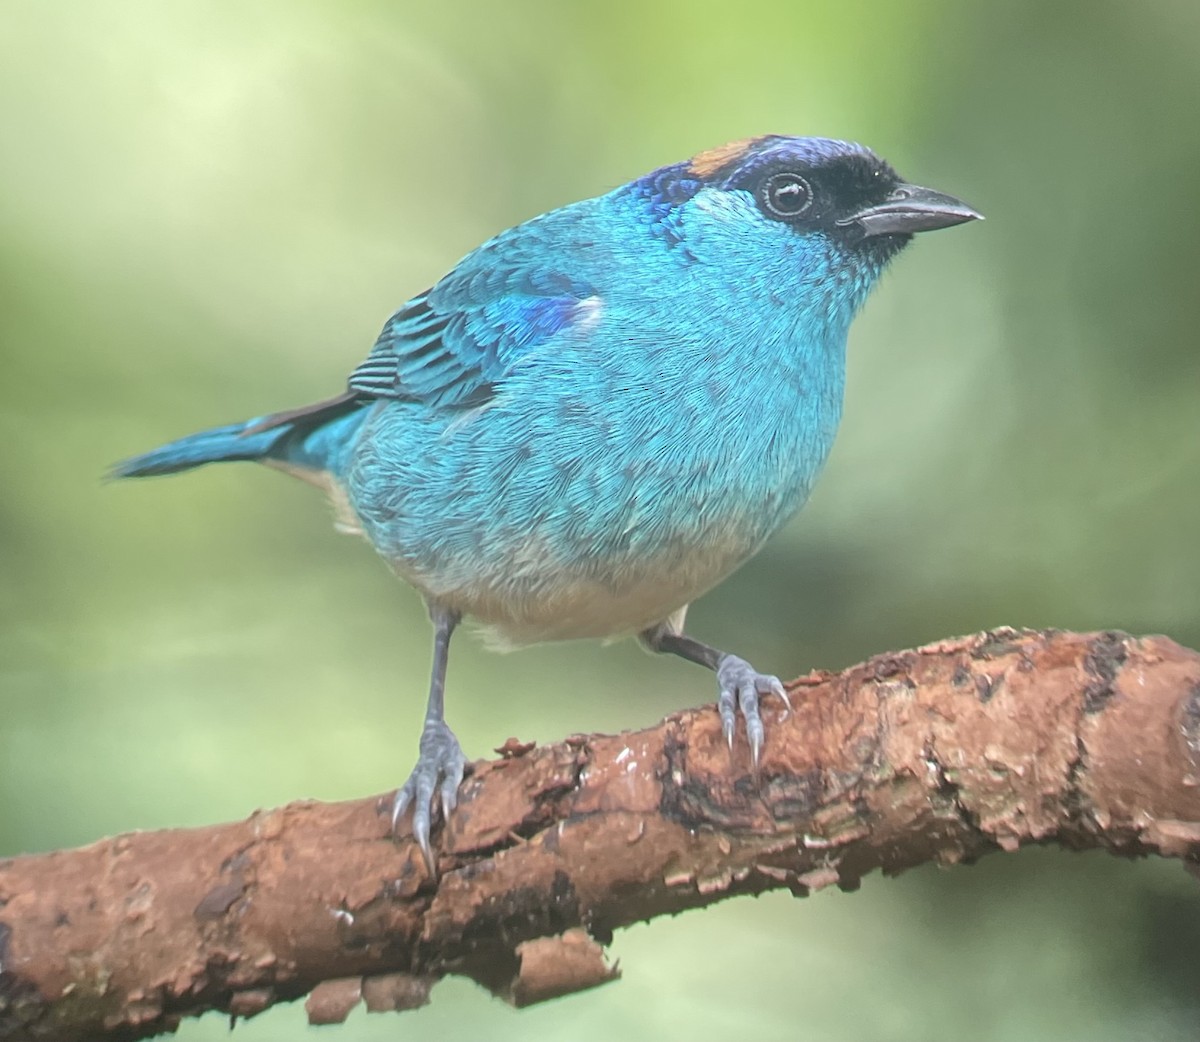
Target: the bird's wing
(451, 346)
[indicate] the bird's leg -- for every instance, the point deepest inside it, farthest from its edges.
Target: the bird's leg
(441, 756)
(739, 684)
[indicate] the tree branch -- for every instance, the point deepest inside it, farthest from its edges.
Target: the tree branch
(944, 753)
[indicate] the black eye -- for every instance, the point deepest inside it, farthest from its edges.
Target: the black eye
(785, 196)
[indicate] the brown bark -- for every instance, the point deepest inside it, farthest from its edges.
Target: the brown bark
(941, 754)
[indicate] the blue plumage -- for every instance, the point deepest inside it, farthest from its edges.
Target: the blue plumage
(316, 439)
(599, 414)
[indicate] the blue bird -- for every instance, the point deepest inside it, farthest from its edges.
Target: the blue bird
(599, 414)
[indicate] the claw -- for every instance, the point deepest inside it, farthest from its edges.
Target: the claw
(399, 805)
(755, 737)
(728, 722)
(450, 786)
(441, 759)
(780, 691)
(741, 688)
(748, 703)
(421, 835)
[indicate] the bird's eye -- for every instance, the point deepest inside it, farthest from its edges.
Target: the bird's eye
(786, 195)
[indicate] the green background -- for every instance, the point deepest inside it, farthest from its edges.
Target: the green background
(206, 212)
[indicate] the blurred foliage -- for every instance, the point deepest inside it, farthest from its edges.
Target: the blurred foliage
(207, 211)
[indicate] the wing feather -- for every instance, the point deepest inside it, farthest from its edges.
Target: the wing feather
(451, 346)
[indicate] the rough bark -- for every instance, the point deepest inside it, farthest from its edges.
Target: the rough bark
(943, 753)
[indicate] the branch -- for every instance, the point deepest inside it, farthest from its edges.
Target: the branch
(944, 753)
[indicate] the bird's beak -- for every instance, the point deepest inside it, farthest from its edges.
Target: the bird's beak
(911, 208)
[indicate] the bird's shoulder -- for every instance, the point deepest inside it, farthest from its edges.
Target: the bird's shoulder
(450, 346)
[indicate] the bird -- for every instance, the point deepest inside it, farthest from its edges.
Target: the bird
(599, 414)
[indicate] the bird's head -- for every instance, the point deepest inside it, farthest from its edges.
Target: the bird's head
(820, 216)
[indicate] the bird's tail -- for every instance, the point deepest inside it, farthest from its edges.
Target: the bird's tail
(314, 438)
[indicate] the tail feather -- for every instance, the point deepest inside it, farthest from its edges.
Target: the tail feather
(315, 437)
(211, 446)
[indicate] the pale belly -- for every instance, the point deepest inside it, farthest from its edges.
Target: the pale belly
(528, 603)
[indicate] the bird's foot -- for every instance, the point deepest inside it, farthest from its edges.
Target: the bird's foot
(441, 758)
(741, 686)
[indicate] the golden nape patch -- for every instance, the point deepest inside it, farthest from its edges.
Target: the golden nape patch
(705, 164)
